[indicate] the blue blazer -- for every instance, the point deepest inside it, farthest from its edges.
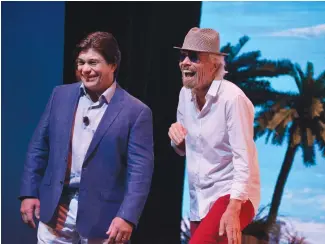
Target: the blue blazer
(117, 170)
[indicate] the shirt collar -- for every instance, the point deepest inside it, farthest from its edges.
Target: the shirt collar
(105, 96)
(213, 90)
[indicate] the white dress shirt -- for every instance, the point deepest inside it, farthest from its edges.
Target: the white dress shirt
(220, 152)
(83, 134)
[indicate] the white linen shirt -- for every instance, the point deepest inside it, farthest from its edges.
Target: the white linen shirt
(220, 152)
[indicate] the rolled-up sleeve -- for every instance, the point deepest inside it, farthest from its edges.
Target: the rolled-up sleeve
(240, 124)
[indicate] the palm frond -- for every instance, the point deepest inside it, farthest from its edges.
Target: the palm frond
(283, 116)
(261, 97)
(308, 155)
(299, 70)
(321, 77)
(242, 41)
(318, 91)
(298, 117)
(317, 108)
(296, 78)
(320, 137)
(307, 146)
(282, 127)
(227, 49)
(258, 131)
(309, 71)
(321, 130)
(233, 51)
(302, 77)
(282, 99)
(321, 147)
(294, 134)
(265, 68)
(246, 59)
(279, 136)
(263, 118)
(269, 133)
(245, 69)
(256, 85)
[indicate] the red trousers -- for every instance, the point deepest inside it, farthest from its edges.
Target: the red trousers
(207, 230)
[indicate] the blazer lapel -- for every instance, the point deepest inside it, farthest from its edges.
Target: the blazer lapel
(113, 109)
(69, 108)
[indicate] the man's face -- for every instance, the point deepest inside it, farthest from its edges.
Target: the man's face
(94, 72)
(198, 71)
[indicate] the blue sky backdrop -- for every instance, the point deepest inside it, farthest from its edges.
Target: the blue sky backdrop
(280, 30)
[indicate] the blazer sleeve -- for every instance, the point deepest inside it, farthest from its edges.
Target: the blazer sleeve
(140, 164)
(37, 155)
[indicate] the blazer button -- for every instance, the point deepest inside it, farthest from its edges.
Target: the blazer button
(61, 182)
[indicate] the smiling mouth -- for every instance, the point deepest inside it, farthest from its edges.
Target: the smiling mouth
(188, 73)
(91, 78)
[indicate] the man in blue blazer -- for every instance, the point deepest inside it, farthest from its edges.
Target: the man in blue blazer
(90, 161)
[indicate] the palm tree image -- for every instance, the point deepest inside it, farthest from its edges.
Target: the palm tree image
(250, 72)
(299, 118)
(263, 44)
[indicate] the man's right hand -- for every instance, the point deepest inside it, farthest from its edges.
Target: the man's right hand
(28, 208)
(177, 134)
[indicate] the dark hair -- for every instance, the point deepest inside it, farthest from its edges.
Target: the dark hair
(105, 44)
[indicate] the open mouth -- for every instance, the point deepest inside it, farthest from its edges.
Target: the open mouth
(188, 73)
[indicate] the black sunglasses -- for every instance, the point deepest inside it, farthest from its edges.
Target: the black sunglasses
(193, 56)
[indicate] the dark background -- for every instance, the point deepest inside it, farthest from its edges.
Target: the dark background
(38, 39)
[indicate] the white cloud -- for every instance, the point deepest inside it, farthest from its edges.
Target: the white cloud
(318, 201)
(288, 195)
(320, 175)
(321, 201)
(306, 190)
(313, 231)
(304, 198)
(306, 32)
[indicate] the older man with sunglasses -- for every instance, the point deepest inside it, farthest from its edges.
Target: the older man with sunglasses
(214, 129)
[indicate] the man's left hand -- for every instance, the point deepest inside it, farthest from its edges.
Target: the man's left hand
(230, 222)
(119, 231)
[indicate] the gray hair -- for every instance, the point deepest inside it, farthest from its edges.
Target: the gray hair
(219, 59)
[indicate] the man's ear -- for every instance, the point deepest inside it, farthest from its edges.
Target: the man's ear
(216, 68)
(217, 65)
(114, 67)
